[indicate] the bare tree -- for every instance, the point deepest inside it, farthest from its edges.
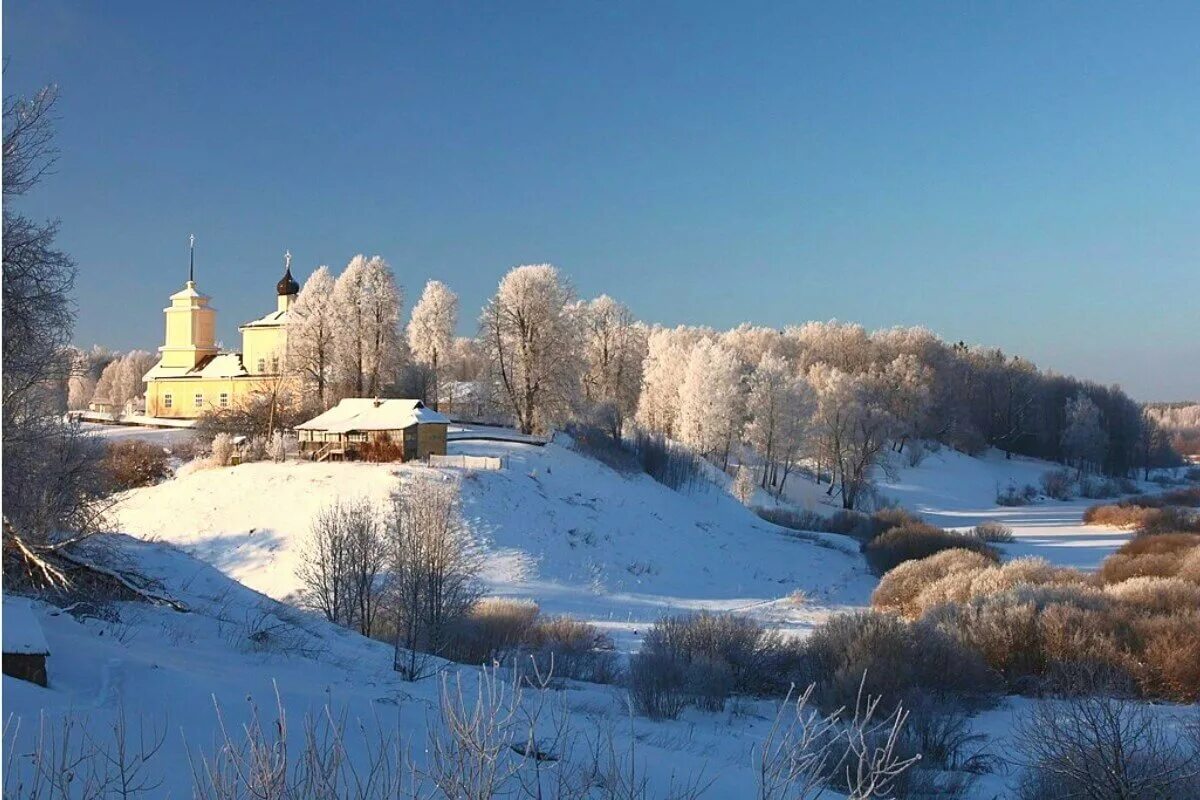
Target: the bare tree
(433, 571)
(342, 564)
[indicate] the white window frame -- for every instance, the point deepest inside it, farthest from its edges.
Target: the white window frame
(168, 400)
(198, 400)
(262, 365)
(223, 399)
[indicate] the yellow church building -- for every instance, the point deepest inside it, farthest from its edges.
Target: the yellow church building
(194, 376)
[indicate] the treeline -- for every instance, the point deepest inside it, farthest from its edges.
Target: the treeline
(1180, 422)
(830, 395)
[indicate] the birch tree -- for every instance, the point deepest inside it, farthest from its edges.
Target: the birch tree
(311, 337)
(1084, 441)
(711, 401)
(667, 354)
(367, 306)
(853, 426)
(779, 407)
(431, 331)
(531, 338)
(614, 347)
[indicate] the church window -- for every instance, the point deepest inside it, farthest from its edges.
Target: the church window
(199, 400)
(224, 399)
(167, 400)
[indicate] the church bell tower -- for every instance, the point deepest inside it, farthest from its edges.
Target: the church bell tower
(191, 323)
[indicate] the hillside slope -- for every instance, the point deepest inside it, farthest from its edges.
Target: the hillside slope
(555, 526)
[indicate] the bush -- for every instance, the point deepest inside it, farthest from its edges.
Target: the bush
(597, 443)
(900, 587)
(657, 685)
(1159, 595)
(993, 532)
(1118, 515)
(132, 463)
(670, 464)
(1012, 496)
(570, 648)
(738, 642)
(849, 523)
(900, 661)
(1057, 483)
(918, 540)
(491, 631)
(1171, 654)
(222, 450)
(1161, 555)
(1169, 519)
(1095, 488)
(794, 519)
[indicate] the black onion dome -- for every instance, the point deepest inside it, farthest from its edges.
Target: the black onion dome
(287, 284)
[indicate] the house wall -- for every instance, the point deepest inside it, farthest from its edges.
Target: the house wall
(265, 344)
(431, 439)
(183, 393)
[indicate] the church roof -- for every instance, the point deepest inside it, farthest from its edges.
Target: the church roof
(366, 414)
(287, 284)
(272, 320)
(221, 365)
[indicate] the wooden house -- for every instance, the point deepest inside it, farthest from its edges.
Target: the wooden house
(24, 645)
(391, 429)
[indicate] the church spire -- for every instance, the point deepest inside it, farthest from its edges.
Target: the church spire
(192, 258)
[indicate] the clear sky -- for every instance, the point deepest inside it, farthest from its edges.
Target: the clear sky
(1016, 174)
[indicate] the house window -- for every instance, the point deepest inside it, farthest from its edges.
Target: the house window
(224, 399)
(274, 363)
(198, 400)
(262, 365)
(167, 401)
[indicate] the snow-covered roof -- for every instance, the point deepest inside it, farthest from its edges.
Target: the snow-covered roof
(367, 414)
(272, 320)
(22, 632)
(221, 365)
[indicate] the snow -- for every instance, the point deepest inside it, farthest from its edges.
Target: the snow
(165, 436)
(220, 365)
(365, 414)
(22, 634)
(555, 526)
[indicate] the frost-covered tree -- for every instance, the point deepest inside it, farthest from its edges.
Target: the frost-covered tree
(743, 485)
(614, 347)
(312, 322)
(121, 381)
(531, 340)
(367, 303)
(780, 405)
(852, 426)
(667, 354)
(431, 332)
(711, 401)
(1084, 441)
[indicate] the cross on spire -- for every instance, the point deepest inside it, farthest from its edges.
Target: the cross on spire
(192, 258)
(287, 261)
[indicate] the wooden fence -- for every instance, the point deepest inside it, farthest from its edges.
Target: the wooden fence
(493, 463)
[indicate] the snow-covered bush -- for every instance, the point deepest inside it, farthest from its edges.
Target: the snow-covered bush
(278, 448)
(571, 648)
(1058, 484)
(743, 485)
(491, 631)
(134, 463)
(342, 564)
(222, 450)
(1011, 495)
(884, 656)
(657, 684)
(993, 532)
(1161, 595)
(668, 463)
(917, 540)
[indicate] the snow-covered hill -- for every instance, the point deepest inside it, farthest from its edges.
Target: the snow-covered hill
(557, 527)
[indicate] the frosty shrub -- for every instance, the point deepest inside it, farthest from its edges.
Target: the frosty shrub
(134, 463)
(917, 540)
(657, 685)
(739, 642)
(1010, 495)
(1149, 556)
(1119, 515)
(599, 443)
(993, 532)
(900, 660)
(493, 629)
(1057, 483)
(1162, 595)
(794, 519)
(572, 648)
(222, 450)
(343, 564)
(743, 485)
(1099, 745)
(278, 448)
(1170, 654)
(899, 588)
(670, 464)
(1189, 566)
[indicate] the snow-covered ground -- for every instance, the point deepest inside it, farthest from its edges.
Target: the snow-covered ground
(556, 526)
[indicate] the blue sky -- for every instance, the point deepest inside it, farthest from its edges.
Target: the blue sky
(1017, 174)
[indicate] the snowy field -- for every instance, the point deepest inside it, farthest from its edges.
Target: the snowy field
(556, 526)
